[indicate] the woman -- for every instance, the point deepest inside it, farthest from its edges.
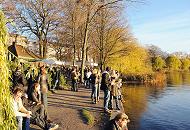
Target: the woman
(21, 113)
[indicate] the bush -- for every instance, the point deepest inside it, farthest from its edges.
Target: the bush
(88, 117)
(63, 84)
(7, 118)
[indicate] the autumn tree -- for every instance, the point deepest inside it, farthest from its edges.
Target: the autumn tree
(173, 62)
(158, 63)
(108, 32)
(185, 64)
(133, 59)
(92, 8)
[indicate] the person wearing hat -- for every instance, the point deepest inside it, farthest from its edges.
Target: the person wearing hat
(118, 123)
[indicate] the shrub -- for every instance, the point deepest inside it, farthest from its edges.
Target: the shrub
(63, 84)
(88, 117)
(7, 117)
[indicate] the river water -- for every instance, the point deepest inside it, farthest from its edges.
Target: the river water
(159, 108)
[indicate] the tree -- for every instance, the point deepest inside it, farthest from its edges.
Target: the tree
(158, 63)
(37, 18)
(173, 62)
(91, 9)
(133, 59)
(185, 64)
(155, 51)
(7, 117)
(108, 32)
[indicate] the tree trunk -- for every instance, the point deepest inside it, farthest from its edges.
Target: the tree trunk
(45, 49)
(74, 55)
(102, 38)
(41, 47)
(84, 46)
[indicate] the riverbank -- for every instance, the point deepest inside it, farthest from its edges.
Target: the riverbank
(64, 108)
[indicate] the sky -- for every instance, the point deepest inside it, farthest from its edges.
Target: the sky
(164, 23)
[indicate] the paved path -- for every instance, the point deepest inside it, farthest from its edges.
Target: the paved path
(64, 108)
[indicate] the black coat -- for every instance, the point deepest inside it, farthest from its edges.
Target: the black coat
(111, 125)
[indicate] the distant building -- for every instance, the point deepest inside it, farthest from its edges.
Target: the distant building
(16, 38)
(21, 53)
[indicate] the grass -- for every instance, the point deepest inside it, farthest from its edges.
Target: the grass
(89, 118)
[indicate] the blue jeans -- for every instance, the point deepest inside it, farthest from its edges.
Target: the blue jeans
(55, 85)
(23, 124)
(106, 99)
(94, 91)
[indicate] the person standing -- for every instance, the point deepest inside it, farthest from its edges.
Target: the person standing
(74, 78)
(106, 88)
(42, 80)
(94, 83)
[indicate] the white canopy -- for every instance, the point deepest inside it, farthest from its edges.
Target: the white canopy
(53, 62)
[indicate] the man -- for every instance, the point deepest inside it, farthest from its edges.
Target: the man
(20, 111)
(118, 123)
(106, 88)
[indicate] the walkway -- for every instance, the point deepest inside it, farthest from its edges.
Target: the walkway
(64, 108)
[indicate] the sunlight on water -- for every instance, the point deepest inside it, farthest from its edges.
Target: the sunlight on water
(163, 108)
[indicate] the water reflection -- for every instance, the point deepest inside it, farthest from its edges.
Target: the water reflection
(156, 108)
(177, 78)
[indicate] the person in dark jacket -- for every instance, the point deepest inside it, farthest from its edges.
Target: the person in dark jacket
(106, 88)
(94, 83)
(118, 123)
(74, 78)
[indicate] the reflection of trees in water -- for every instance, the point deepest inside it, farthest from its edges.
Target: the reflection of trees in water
(178, 78)
(174, 78)
(186, 78)
(137, 96)
(135, 104)
(136, 101)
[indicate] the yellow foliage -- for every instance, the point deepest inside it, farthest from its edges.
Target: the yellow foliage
(7, 118)
(130, 59)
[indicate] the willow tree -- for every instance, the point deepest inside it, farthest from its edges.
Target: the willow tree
(130, 58)
(7, 118)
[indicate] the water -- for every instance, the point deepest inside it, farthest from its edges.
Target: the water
(159, 108)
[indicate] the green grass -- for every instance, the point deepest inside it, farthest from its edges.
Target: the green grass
(87, 116)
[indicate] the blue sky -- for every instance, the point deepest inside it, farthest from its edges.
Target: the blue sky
(164, 23)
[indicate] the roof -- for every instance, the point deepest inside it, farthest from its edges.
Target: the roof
(22, 52)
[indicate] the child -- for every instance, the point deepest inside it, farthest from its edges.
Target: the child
(119, 85)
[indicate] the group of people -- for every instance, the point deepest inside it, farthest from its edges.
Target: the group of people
(30, 103)
(30, 99)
